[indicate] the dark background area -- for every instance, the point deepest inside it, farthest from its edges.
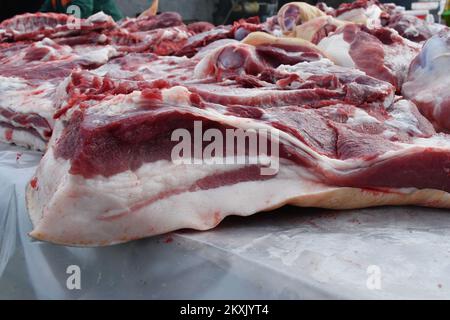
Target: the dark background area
(10, 8)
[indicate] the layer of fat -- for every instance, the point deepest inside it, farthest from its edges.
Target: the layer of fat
(337, 49)
(402, 119)
(360, 117)
(71, 210)
(19, 96)
(99, 55)
(22, 138)
(369, 16)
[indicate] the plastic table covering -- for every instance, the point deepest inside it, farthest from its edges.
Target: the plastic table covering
(290, 253)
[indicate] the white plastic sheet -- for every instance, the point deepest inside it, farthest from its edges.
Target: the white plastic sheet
(401, 252)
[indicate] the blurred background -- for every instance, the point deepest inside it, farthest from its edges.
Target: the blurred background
(220, 11)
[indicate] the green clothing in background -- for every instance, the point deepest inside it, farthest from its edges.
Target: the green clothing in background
(87, 7)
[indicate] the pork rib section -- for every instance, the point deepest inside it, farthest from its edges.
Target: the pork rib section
(108, 175)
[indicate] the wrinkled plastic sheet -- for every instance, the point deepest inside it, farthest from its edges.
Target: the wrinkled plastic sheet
(290, 253)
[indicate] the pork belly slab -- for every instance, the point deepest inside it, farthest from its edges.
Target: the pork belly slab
(108, 175)
(117, 96)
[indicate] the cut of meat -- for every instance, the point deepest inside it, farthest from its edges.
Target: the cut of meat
(288, 51)
(379, 52)
(163, 41)
(409, 26)
(19, 99)
(147, 23)
(367, 12)
(230, 61)
(48, 62)
(200, 27)
(36, 26)
(198, 41)
(318, 28)
(114, 100)
(296, 13)
(372, 13)
(413, 28)
(428, 81)
(238, 31)
(28, 95)
(113, 178)
(312, 84)
(256, 53)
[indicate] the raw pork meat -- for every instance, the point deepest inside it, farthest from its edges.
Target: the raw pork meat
(313, 84)
(316, 29)
(238, 31)
(27, 95)
(36, 26)
(343, 143)
(296, 13)
(379, 52)
(115, 94)
(108, 176)
(147, 23)
(366, 12)
(30, 72)
(428, 81)
(413, 28)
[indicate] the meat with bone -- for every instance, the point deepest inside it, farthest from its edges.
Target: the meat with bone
(108, 176)
(255, 53)
(428, 81)
(37, 26)
(379, 52)
(238, 31)
(296, 13)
